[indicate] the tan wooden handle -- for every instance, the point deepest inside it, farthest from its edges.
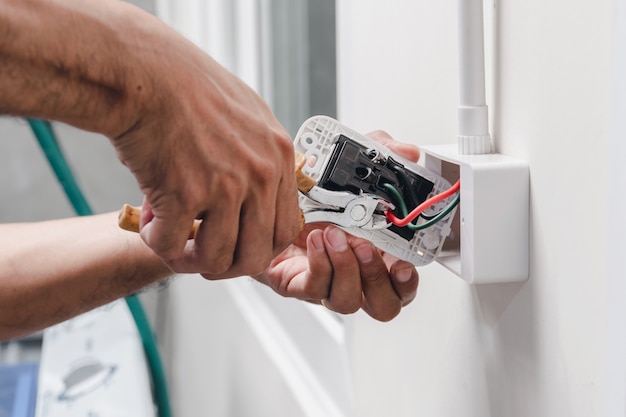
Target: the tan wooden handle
(305, 183)
(128, 219)
(129, 216)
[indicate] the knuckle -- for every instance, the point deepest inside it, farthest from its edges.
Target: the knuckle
(262, 172)
(286, 235)
(232, 184)
(219, 260)
(219, 264)
(377, 278)
(266, 173)
(284, 144)
(257, 264)
(348, 307)
(165, 248)
(389, 313)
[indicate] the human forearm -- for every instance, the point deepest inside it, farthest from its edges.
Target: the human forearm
(80, 62)
(51, 271)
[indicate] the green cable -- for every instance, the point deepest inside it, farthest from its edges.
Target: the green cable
(153, 357)
(440, 216)
(50, 146)
(48, 142)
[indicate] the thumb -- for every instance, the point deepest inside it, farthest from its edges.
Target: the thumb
(407, 150)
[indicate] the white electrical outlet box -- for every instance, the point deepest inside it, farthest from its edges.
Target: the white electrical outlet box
(489, 242)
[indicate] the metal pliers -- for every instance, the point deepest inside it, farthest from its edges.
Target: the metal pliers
(341, 208)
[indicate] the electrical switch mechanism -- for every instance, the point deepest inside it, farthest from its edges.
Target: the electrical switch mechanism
(373, 193)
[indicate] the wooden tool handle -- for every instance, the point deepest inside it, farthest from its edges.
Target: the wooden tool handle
(129, 216)
(128, 219)
(305, 183)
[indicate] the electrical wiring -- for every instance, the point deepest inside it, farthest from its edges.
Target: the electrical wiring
(432, 220)
(45, 135)
(397, 197)
(437, 218)
(419, 209)
(412, 199)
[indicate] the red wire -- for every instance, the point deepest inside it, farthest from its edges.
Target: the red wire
(419, 209)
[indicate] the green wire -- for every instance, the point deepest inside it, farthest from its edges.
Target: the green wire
(438, 217)
(400, 201)
(48, 142)
(398, 197)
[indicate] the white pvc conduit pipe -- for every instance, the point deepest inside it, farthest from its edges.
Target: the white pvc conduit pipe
(473, 116)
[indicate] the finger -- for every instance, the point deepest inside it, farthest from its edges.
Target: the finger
(254, 247)
(213, 247)
(260, 225)
(380, 298)
(270, 218)
(405, 280)
(316, 283)
(346, 292)
(288, 274)
(165, 235)
(407, 150)
(287, 221)
(302, 275)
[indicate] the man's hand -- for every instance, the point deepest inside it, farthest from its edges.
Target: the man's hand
(345, 273)
(208, 147)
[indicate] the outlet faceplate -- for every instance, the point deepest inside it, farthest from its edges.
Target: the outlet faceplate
(489, 243)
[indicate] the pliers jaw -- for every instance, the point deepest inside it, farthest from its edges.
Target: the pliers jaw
(344, 209)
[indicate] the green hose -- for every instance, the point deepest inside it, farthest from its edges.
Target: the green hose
(48, 142)
(50, 146)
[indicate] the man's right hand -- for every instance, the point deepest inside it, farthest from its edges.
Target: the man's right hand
(205, 145)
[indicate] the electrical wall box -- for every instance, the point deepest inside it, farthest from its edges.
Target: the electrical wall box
(489, 242)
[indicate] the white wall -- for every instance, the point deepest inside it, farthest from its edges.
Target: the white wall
(615, 349)
(538, 348)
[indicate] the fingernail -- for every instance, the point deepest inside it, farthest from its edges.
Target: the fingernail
(364, 253)
(337, 239)
(404, 275)
(317, 241)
